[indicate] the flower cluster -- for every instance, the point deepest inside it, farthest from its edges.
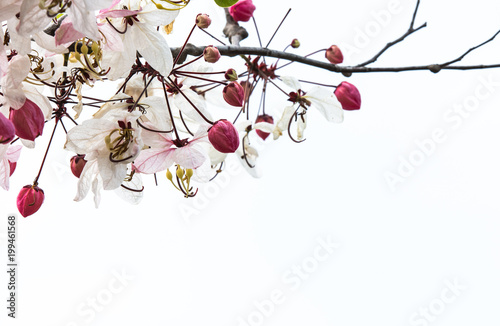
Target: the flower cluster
(52, 52)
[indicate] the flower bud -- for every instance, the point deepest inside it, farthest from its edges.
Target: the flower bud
(203, 21)
(263, 118)
(211, 54)
(77, 163)
(28, 120)
(242, 11)
(29, 200)
(234, 94)
(224, 137)
(231, 75)
(13, 166)
(7, 130)
(295, 43)
(334, 55)
(348, 95)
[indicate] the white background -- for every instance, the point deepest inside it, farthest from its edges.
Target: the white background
(208, 261)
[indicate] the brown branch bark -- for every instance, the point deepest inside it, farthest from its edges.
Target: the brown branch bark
(232, 51)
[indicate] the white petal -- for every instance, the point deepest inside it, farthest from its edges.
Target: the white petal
(282, 124)
(215, 156)
(153, 47)
(49, 43)
(243, 125)
(17, 70)
(326, 103)
(157, 112)
(112, 174)
(89, 136)
(191, 156)
(28, 143)
(301, 126)
(187, 109)
(156, 17)
(32, 18)
(22, 44)
(264, 126)
(84, 21)
(291, 82)
(9, 8)
(133, 197)
(89, 173)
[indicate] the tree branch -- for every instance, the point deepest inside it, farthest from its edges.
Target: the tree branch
(233, 31)
(410, 31)
(232, 51)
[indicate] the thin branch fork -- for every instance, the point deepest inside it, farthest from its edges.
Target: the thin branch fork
(410, 31)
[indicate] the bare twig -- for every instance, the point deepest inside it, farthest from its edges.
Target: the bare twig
(470, 50)
(410, 31)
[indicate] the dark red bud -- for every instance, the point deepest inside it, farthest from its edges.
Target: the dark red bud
(349, 96)
(224, 137)
(77, 163)
(29, 200)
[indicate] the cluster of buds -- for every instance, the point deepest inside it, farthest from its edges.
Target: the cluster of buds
(158, 118)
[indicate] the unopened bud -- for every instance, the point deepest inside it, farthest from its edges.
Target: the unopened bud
(211, 54)
(28, 120)
(7, 130)
(234, 94)
(231, 75)
(77, 163)
(349, 96)
(29, 200)
(203, 21)
(224, 137)
(295, 43)
(242, 11)
(334, 55)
